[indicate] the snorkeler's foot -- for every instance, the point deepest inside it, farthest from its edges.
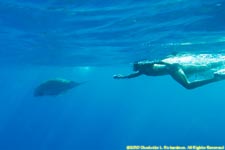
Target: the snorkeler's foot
(220, 74)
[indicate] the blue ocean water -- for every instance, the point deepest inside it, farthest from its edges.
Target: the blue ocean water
(91, 41)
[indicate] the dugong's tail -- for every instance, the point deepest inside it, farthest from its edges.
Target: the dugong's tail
(84, 82)
(74, 84)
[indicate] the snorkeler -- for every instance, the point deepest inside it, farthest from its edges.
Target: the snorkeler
(181, 67)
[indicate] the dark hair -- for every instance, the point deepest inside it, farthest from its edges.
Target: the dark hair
(138, 64)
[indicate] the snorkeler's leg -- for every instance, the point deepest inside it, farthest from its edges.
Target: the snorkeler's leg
(178, 74)
(133, 75)
(196, 84)
(218, 76)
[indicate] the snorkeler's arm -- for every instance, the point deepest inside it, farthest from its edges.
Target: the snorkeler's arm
(133, 75)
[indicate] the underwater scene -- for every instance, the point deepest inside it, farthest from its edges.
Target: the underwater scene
(112, 75)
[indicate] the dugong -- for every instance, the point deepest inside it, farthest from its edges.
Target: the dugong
(55, 87)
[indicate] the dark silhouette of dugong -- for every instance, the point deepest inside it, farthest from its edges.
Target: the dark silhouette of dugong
(55, 87)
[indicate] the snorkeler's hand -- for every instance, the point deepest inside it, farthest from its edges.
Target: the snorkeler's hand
(118, 76)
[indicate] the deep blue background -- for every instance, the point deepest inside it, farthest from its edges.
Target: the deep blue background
(91, 41)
